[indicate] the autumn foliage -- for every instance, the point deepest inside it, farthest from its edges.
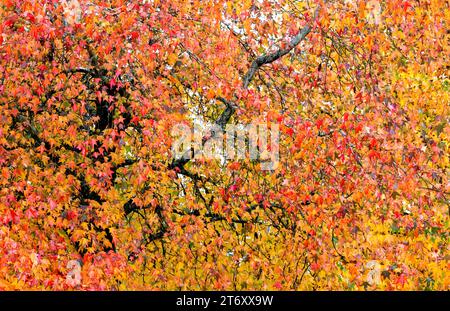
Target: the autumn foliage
(91, 196)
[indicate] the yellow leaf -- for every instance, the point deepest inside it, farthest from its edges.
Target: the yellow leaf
(172, 58)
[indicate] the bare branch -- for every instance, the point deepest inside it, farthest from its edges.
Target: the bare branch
(270, 58)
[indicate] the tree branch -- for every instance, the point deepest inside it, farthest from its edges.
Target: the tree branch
(270, 58)
(226, 115)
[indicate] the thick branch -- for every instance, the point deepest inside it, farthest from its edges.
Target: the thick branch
(270, 58)
(221, 121)
(226, 114)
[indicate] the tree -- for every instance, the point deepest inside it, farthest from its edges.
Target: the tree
(92, 196)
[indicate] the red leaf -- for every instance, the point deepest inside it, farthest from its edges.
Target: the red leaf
(134, 35)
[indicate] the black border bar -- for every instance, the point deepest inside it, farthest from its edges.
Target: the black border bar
(222, 300)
